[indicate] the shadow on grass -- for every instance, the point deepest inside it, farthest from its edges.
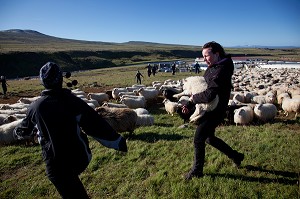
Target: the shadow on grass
(154, 137)
(281, 173)
(164, 125)
(281, 180)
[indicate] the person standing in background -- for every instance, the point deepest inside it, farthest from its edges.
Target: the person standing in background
(138, 77)
(197, 68)
(4, 85)
(149, 70)
(173, 68)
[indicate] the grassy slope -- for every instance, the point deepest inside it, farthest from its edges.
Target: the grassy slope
(160, 154)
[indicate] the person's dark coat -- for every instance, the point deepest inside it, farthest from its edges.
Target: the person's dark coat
(218, 78)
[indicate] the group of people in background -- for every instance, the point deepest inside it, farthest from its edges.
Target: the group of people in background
(151, 69)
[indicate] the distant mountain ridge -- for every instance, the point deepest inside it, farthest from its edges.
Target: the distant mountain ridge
(32, 35)
(22, 36)
(260, 46)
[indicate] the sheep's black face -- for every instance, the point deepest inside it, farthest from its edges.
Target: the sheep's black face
(191, 107)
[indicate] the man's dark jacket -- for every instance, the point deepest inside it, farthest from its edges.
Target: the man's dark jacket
(59, 116)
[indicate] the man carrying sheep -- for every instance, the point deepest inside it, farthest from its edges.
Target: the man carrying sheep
(62, 122)
(218, 78)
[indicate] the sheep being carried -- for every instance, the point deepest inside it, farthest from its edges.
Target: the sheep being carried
(191, 86)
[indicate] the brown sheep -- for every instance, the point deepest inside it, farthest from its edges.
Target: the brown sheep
(120, 119)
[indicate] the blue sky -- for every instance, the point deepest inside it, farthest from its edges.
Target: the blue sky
(188, 22)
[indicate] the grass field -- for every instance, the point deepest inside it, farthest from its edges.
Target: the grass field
(158, 155)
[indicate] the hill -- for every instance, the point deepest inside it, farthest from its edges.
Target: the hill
(23, 52)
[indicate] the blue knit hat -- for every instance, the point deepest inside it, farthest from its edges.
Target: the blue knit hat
(51, 76)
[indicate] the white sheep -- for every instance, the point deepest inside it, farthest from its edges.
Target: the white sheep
(141, 111)
(145, 120)
(100, 97)
(290, 105)
(114, 105)
(270, 97)
(18, 105)
(134, 87)
(184, 100)
(134, 97)
(143, 117)
(14, 111)
(3, 117)
(248, 96)
(120, 119)
(78, 92)
(174, 88)
(281, 96)
(243, 115)
(91, 102)
(148, 93)
(133, 102)
(193, 85)
(263, 99)
(6, 132)
(239, 98)
(294, 91)
(265, 112)
(134, 93)
(202, 108)
(170, 107)
(28, 100)
(116, 91)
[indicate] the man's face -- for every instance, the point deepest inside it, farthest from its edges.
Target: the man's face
(209, 57)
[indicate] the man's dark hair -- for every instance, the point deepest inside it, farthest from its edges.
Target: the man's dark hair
(215, 47)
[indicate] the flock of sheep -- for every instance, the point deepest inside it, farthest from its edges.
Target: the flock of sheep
(257, 94)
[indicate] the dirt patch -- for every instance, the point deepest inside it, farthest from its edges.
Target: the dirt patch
(12, 98)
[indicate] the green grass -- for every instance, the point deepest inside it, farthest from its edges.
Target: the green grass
(159, 155)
